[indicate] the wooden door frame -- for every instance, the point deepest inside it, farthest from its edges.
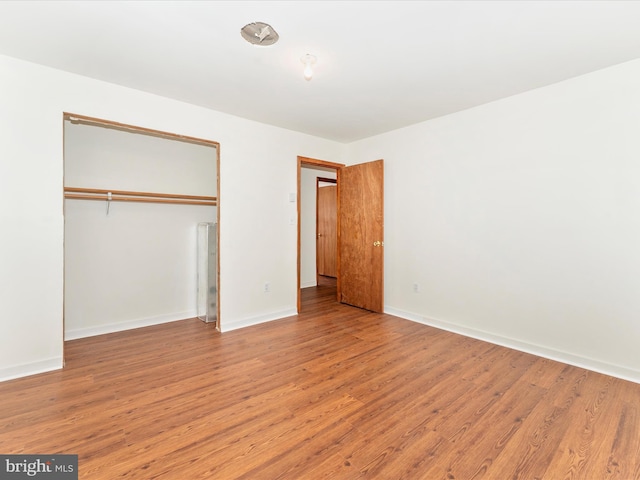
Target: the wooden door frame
(318, 181)
(311, 163)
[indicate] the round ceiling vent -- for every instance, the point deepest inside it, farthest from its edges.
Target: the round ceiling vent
(259, 33)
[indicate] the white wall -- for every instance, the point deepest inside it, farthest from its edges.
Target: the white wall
(520, 220)
(308, 215)
(136, 265)
(258, 170)
(110, 158)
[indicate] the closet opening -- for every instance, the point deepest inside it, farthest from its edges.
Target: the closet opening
(134, 198)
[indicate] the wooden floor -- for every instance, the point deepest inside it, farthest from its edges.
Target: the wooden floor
(334, 393)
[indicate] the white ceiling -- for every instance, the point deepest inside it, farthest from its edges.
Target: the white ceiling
(381, 65)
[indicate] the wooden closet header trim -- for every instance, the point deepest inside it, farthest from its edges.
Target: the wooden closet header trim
(85, 120)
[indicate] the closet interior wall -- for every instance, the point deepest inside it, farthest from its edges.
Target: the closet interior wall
(131, 263)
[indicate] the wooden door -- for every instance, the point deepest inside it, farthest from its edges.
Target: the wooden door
(360, 235)
(327, 231)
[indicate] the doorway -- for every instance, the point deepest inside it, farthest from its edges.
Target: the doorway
(360, 232)
(309, 172)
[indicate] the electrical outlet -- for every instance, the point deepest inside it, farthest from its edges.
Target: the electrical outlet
(267, 287)
(416, 288)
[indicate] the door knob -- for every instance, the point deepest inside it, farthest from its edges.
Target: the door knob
(378, 244)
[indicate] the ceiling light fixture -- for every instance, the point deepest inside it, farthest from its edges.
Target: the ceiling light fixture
(259, 33)
(308, 61)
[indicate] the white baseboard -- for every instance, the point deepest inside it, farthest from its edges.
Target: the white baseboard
(592, 364)
(227, 326)
(73, 334)
(308, 284)
(25, 370)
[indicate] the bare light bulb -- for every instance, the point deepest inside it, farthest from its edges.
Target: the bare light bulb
(308, 61)
(308, 72)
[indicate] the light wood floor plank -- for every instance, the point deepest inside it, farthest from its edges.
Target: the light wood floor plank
(333, 393)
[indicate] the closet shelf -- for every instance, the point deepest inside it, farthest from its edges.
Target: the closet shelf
(128, 196)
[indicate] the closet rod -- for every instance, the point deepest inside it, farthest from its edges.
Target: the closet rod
(77, 196)
(137, 194)
(129, 196)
